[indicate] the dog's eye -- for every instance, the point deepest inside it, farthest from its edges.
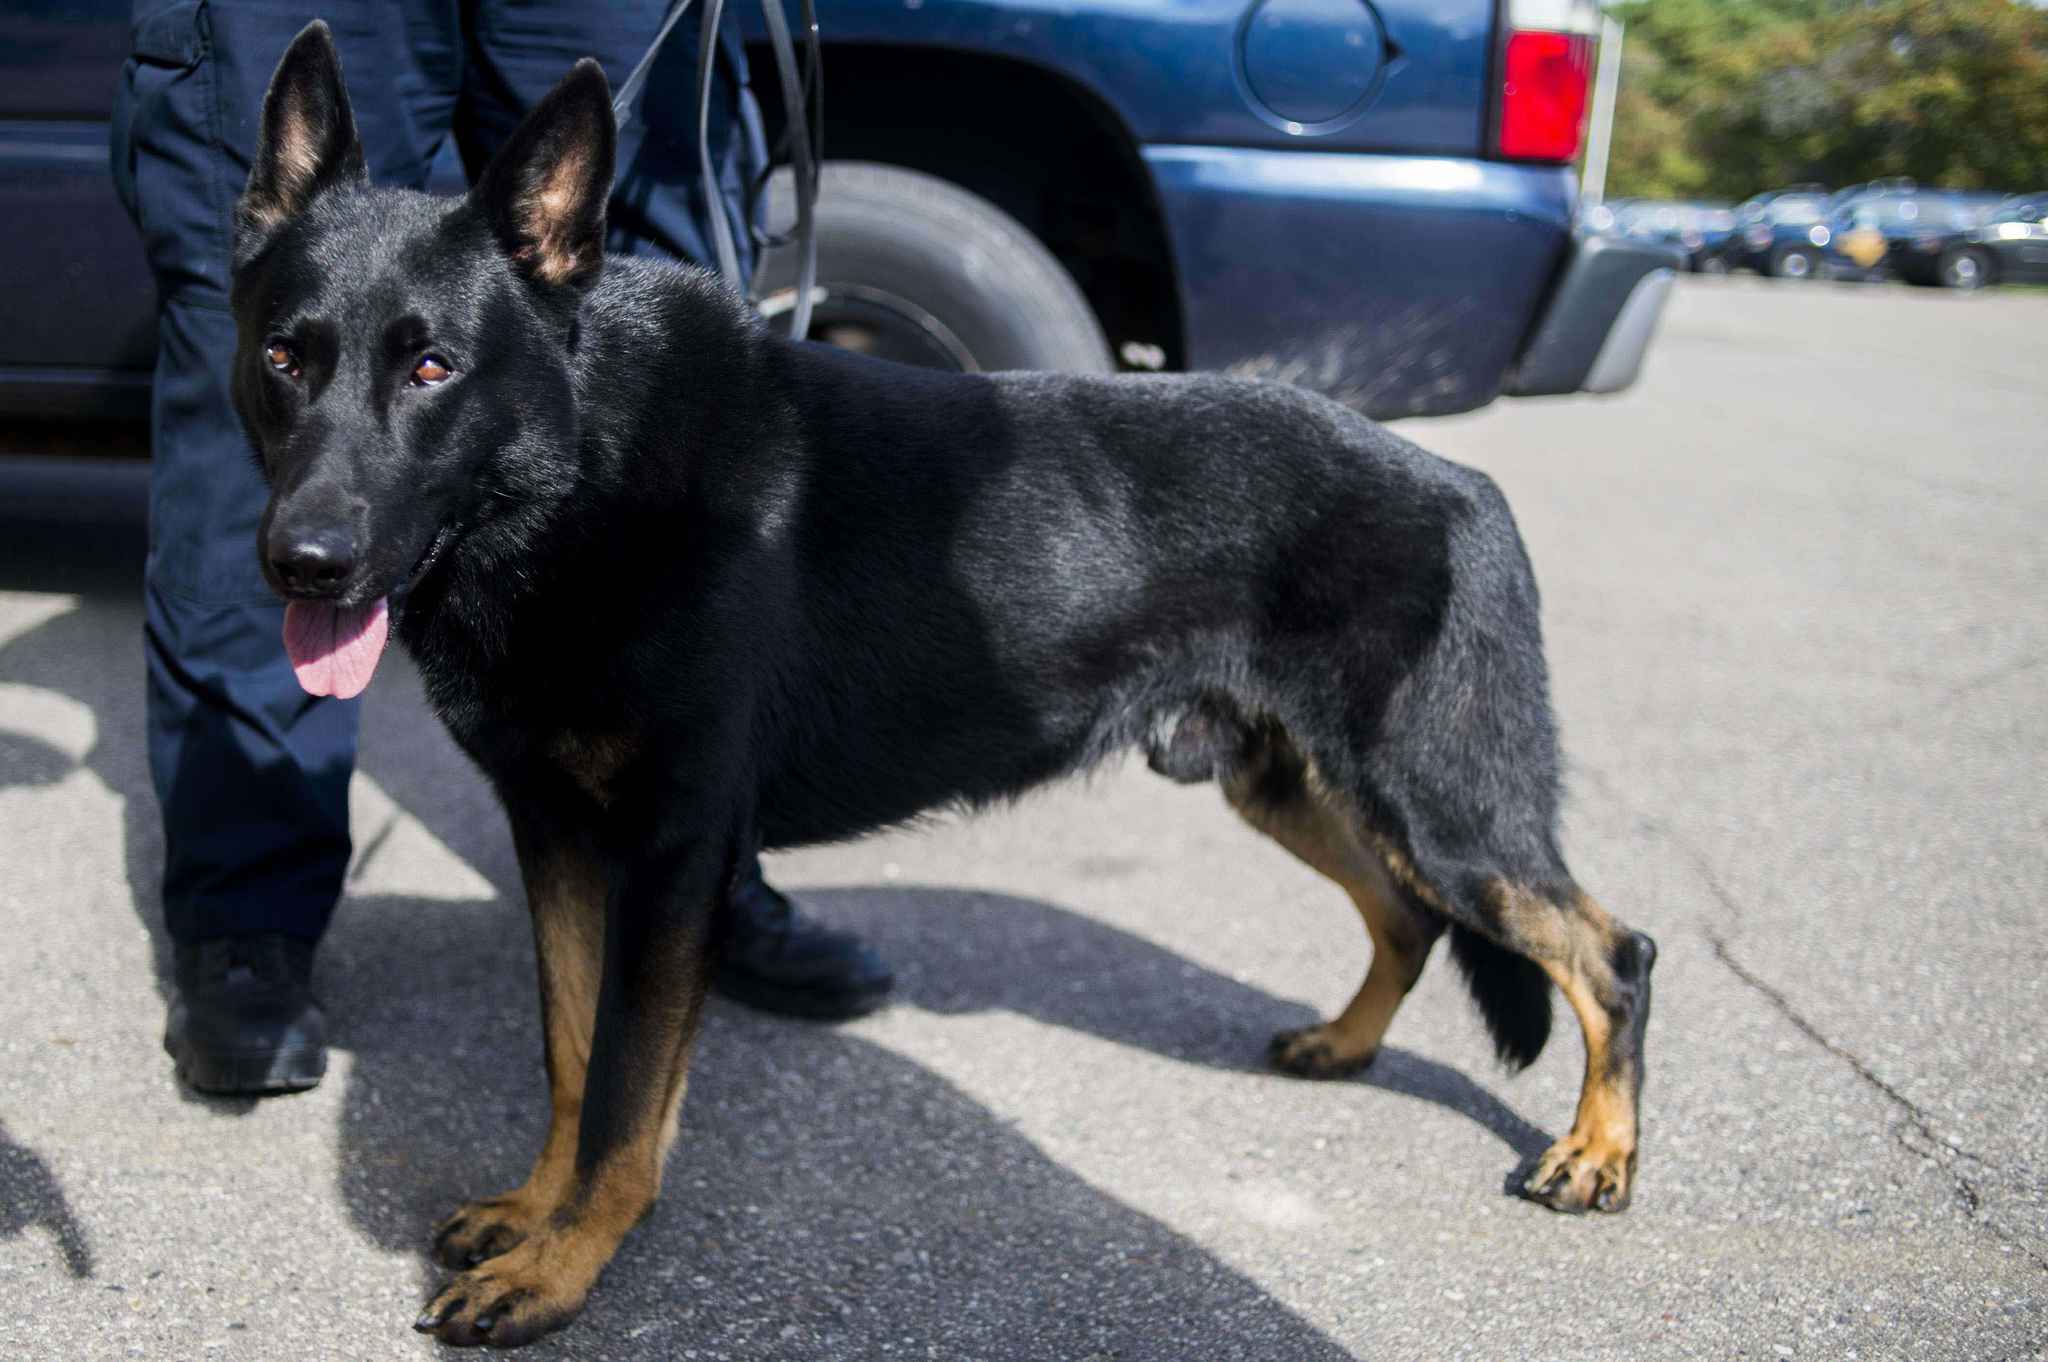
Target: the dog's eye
(283, 357)
(430, 370)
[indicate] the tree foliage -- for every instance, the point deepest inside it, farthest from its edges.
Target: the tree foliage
(1726, 97)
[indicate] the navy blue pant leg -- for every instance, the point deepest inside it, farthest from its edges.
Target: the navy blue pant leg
(251, 773)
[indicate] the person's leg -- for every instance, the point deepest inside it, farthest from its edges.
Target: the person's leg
(251, 773)
(772, 956)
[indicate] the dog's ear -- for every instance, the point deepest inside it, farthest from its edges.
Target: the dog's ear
(544, 192)
(307, 142)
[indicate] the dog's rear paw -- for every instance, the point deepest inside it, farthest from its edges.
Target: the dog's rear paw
(1577, 1174)
(484, 1229)
(511, 1300)
(1315, 1052)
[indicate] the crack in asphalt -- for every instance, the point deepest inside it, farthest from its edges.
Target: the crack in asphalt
(1916, 1133)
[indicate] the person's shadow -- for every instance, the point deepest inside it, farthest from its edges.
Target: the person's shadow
(829, 1197)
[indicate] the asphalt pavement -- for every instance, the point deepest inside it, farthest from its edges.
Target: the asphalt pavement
(1795, 596)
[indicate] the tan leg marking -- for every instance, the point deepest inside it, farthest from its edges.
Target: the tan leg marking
(566, 896)
(543, 1281)
(1319, 829)
(1403, 870)
(1592, 1167)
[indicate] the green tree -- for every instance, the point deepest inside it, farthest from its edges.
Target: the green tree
(1951, 92)
(1726, 97)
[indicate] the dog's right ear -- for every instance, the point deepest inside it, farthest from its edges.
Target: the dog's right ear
(307, 142)
(544, 192)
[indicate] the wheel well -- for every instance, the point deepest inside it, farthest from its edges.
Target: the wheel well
(1044, 150)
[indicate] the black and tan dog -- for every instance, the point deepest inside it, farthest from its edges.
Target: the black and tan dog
(680, 586)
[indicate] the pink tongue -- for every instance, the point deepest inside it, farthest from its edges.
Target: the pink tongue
(333, 650)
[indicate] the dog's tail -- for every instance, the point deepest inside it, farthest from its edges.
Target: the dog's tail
(1513, 994)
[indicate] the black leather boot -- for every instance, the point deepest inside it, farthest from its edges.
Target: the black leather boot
(244, 1021)
(776, 959)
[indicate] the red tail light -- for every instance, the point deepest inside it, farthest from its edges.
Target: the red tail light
(1543, 94)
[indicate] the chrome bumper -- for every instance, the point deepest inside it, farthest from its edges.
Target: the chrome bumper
(1599, 320)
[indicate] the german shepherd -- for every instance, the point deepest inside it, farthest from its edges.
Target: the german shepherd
(683, 587)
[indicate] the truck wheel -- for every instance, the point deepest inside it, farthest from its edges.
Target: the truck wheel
(915, 269)
(1964, 267)
(1794, 262)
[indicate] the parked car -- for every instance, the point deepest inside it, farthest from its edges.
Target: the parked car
(2013, 240)
(1969, 240)
(1697, 229)
(1373, 201)
(1783, 233)
(1879, 234)
(1856, 249)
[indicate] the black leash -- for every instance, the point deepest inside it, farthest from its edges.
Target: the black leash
(803, 102)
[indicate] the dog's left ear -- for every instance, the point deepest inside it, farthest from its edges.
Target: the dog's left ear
(544, 192)
(307, 142)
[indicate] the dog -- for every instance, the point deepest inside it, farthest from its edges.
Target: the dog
(682, 587)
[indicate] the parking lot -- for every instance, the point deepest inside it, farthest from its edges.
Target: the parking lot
(1794, 594)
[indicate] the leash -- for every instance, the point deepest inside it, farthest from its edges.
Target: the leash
(803, 103)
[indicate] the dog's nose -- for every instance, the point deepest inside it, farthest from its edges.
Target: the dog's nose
(315, 564)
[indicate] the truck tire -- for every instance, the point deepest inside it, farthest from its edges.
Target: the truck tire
(915, 269)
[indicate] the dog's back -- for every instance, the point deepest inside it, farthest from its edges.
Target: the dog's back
(1005, 577)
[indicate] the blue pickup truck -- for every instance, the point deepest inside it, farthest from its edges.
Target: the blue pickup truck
(1374, 200)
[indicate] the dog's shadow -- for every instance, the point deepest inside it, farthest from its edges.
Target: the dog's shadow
(960, 950)
(827, 1195)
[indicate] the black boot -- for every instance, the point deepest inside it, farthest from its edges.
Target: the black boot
(244, 1020)
(778, 960)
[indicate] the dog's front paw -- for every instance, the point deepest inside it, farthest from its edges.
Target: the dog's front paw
(1316, 1052)
(484, 1229)
(1579, 1174)
(512, 1299)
